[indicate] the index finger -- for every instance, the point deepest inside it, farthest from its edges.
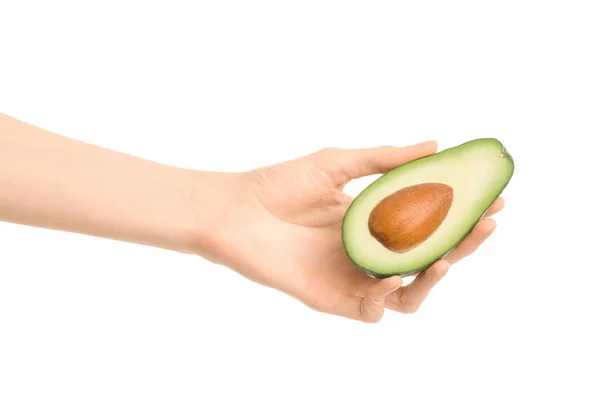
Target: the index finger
(347, 164)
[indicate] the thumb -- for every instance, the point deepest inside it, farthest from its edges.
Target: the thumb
(372, 306)
(356, 163)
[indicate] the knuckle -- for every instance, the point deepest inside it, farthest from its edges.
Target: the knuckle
(336, 198)
(371, 320)
(368, 316)
(364, 312)
(320, 302)
(411, 309)
(434, 275)
(386, 148)
(329, 150)
(409, 305)
(327, 154)
(328, 162)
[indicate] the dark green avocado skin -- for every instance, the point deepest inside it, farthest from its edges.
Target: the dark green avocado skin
(370, 273)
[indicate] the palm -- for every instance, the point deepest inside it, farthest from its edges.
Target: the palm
(302, 204)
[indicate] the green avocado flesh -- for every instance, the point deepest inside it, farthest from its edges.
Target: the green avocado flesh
(477, 171)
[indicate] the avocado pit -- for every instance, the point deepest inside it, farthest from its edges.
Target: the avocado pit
(406, 218)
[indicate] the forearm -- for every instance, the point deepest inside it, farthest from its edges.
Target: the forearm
(50, 181)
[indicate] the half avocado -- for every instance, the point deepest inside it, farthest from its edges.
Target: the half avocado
(428, 206)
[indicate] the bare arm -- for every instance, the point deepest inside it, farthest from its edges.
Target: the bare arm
(54, 182)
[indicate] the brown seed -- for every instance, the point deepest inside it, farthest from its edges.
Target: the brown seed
(405, 219)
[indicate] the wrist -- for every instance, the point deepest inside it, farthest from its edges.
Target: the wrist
(209, 199)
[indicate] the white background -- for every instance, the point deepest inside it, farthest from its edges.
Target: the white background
(226, 85)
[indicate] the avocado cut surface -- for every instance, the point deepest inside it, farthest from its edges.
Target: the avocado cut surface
(477, 172)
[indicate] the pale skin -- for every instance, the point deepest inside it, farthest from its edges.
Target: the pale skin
(278, 225)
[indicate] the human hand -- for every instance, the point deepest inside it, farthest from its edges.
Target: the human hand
(282, 229)
(278, 225)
